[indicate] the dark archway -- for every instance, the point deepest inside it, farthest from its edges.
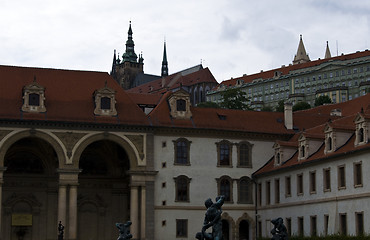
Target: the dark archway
(103, 192)
(225, 229)
(244, 230)
(30, 189)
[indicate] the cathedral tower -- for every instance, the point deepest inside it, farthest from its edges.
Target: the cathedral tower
(125, 71)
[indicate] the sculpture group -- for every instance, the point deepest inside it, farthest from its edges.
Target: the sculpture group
(279, 232)
(212, 219)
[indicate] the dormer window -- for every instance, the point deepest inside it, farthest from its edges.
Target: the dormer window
(329, 144)
(302, 151)
(105, 102)
(179, 103)
(362, 125)
(34, 98)
(277, 159)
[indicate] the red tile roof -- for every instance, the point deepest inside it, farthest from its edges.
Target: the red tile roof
(345, 123)
(174, 81)
(68, 96)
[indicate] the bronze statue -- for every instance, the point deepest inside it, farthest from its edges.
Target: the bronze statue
(60, 231)
(212, 219)
(279, 232)
(124, 230)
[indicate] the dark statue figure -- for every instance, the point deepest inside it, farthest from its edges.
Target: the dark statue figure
(124, 230)
(279, 232)
(60, 231)
(212, 219)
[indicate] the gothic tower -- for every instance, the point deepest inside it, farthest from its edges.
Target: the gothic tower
(125, 71)
(164, 71)
(301, 56)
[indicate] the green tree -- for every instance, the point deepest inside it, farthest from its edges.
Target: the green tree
(280, 106)
(321, 100)
(208, 105)
(234, 98)
(267, 109)
(301, 106)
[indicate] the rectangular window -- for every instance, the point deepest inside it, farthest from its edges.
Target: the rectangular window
(312, 182)
(277, 190)
(341, 177)
(343, 223)
(313, 221)
(289, 226)
(326, 180)
(300, 184)
(357, 172)
(181, 228)
(288, 186)
(268, 193)
(359, 223)
(259, 194)
(300, 226)
(326, 224)
(259, 229)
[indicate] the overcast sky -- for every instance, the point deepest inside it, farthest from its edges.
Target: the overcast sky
(231, 37)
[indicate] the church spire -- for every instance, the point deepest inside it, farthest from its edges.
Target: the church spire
(164, 62)
(327, 52)
(114, 63)
(301, 56)
(129, 55)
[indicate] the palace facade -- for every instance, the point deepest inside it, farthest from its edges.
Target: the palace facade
(75, 147)
(342, 78)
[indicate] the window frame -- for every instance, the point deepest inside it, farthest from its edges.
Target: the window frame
(357, 180)
(220, 153)
(229, 198)
(248, 198)
(341, 177)
(248, 162)
(177, 188)
(182, 223)
(186, 149)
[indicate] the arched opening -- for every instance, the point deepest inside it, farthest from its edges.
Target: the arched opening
(244, 230)
(103, 189)
(225, 229)
(30, 190)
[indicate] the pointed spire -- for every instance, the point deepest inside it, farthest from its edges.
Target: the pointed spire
(164, 62)
(130, 54)
(327, 52)
(301, 56)
(113, 71)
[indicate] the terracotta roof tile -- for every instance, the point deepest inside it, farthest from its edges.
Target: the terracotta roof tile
(69, 96)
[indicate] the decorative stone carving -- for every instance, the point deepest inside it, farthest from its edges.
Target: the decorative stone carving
(3, 133)
(69, 139)
(138, 141)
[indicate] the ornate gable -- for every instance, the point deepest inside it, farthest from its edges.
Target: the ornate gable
(105, 102)
(34, 98)
(362, 129)
(180, 105)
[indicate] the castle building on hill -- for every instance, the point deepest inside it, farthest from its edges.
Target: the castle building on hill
(342, 78)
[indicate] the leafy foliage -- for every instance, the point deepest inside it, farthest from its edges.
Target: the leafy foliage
(280, 106)
(208, 105)
(301, 106)
(234, 98)
(321, 100)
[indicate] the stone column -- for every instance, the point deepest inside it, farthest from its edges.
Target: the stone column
(68, 181)
(143, 211)
(72, 223)
(2, 169)
(134, 212)
(62, 203)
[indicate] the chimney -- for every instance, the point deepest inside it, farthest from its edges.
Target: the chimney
(288, 115)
